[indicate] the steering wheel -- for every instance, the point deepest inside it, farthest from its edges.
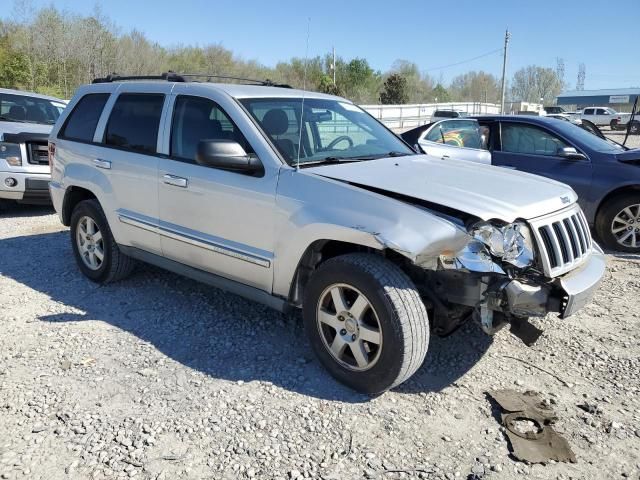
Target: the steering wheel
(339, 139)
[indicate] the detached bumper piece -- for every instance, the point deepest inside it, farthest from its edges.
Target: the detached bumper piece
(581, 284)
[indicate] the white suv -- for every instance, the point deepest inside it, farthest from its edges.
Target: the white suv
(26, 120)
(302, 200)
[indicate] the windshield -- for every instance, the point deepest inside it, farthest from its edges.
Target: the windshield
(24, 109)
(331, 130)
(589, 139)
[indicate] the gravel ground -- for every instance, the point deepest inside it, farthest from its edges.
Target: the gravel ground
(158, 377)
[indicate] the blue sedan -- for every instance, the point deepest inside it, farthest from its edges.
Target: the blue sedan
(604, 174)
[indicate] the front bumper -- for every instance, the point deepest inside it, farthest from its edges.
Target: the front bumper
(581, 284)
(30, 187)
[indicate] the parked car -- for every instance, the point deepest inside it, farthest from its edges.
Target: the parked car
(553, 109)
(25, 122)
(604, 174)
(303, 200)
(444, 114)
(605, 116)
(454, 138)
(565, 117)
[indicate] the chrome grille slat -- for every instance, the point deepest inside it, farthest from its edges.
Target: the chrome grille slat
(563, 239)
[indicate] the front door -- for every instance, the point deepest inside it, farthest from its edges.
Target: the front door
(455, 140)
(211, 219)
(535, 149)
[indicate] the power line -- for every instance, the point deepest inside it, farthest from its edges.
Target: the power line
(466, 61)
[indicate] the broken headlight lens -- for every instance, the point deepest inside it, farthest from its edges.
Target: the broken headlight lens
(512, 243)
(10, 152)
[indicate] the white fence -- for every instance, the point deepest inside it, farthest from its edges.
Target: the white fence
(401, 117)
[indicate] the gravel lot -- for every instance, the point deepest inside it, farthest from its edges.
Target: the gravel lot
(158, 377)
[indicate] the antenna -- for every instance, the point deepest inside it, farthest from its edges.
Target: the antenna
(304, 88)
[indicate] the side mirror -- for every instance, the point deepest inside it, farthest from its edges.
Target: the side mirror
(227, 155)
(570, 153)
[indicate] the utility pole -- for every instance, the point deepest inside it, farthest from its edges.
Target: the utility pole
(333, 66)
(507, 35)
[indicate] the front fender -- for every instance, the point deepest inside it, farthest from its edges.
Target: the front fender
(313, 208)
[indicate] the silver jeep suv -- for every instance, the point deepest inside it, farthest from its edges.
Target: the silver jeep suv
(302, 200)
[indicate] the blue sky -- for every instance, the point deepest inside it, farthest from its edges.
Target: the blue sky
(603, 35)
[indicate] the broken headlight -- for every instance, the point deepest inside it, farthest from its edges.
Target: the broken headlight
(512, 243)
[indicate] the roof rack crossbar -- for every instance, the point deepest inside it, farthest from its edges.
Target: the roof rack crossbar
(114, 77)
(183, 77)
(266, 83)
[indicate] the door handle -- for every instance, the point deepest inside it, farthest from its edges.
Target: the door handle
(444, 157)
(175, 181)
(106, 164)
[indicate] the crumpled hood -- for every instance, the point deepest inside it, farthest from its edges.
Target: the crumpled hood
(483, 191)
(22, 127)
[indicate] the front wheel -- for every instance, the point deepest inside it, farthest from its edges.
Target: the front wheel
(366, 322)
(618, 223)
(634, 129)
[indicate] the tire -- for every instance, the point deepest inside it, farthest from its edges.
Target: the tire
(393, 302)
(635, 128)
(114, 264)
(613, 224)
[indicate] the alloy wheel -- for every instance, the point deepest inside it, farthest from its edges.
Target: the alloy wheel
(349, 327)
(90, 243)
(625, 226)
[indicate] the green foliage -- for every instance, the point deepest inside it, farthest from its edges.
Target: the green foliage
(440, 94)
(326, 86)
(394, 90)
(14, 71)
(475, 87)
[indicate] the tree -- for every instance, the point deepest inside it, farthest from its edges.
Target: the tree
(326, 85)
(475, 87)
(440, 94)
(533, 83)
(394, 90)
(419, 85)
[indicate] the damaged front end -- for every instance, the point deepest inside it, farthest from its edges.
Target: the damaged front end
(499, 278)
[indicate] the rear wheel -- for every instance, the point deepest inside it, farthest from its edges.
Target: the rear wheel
(618, 223)
(366, 322)
(94, 247)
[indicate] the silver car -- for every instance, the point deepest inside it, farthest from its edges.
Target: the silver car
(453, 139)
(304, 201)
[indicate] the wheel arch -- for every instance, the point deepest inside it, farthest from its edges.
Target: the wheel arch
(72, 196)
(623, 190)
(322, 250)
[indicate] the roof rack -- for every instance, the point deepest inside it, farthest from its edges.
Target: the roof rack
(186, 77)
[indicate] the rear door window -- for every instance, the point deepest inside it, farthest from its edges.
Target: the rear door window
(588, 111)
(134, 122)
(82, 121)
(526, 139)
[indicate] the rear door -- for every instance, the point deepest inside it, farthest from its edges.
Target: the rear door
(589, 114)
(127, 142)
(534, 149)
(456, 140)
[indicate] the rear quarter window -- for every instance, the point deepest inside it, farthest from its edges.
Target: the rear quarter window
(134, 122)
(83, 119)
